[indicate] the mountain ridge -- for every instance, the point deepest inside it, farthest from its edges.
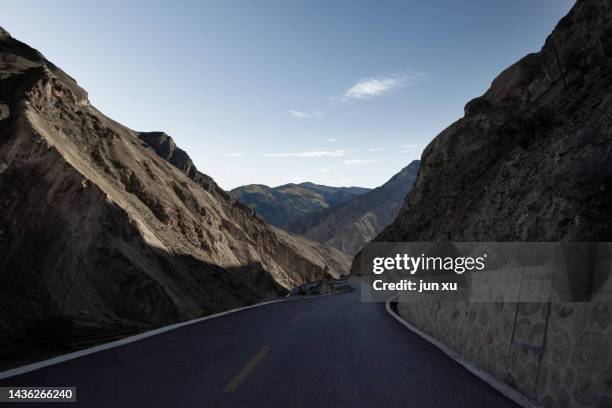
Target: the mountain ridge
(350, 225)
(286, 203)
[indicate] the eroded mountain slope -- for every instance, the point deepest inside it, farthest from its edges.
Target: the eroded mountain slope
(530, 160)
(101, 227)
(351, 225)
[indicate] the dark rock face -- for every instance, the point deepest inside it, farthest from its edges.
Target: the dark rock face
(530, 160)
(165, 147)
(288, 203)
(105, 228)
(351, 225)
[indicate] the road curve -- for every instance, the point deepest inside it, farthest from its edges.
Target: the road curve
(332, 351)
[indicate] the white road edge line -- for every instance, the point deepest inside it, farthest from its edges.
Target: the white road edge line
(500, 386)
(141, 336)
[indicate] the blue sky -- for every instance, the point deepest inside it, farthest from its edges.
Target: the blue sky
(336, 92)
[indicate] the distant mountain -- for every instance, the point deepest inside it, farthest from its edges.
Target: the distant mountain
(350, 225)
(288, 203)
(333, 190)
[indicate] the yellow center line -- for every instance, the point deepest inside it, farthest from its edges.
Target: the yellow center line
(238, 379)
(298, 317)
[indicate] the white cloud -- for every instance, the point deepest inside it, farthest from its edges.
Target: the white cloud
(409, 148)
(332, 139)
(376, 149)
(360, 161)
(323, 169)
(305, 115)
(381, 85)
(299, 114)
(235, 154)
(332, 153)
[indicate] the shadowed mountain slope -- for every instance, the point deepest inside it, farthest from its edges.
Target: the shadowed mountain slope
(102, 226)
(529, 161)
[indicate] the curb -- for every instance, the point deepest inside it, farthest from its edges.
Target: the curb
(137, 337)
(500, 386)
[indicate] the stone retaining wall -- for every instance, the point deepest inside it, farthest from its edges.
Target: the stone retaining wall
(558, 354)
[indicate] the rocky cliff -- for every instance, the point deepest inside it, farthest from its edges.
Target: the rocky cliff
(105, 227)
(288, 203)
(529, 161)
(351, 225)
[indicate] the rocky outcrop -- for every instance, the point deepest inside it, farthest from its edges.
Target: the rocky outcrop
(288, 203)
(529, 161)
(530, 158)
(166, 148)
(104, 227)
(351, 225)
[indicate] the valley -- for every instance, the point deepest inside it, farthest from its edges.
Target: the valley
(347, 225)
(289, 203)
(128, 272)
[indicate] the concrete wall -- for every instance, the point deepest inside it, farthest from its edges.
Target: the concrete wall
(558, 354)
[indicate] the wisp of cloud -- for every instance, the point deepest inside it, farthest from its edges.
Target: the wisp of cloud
(305, 115)
(333, 153)
(361, 161)
(381, 85)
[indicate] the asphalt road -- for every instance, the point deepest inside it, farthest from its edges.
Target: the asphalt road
(332, 351)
